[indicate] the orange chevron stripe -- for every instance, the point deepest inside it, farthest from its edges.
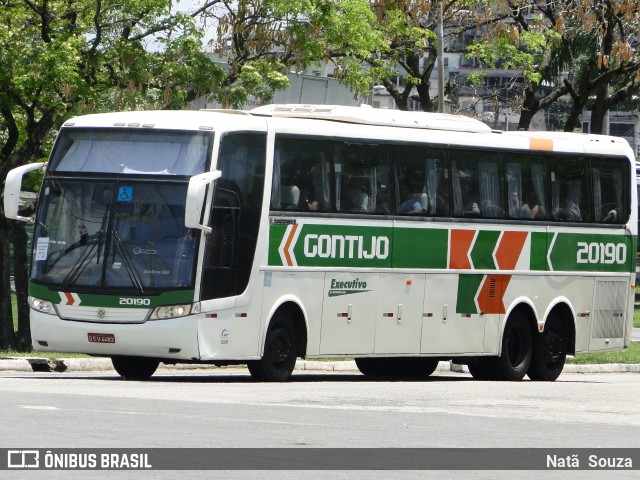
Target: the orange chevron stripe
(287, 245)
(460, 244)
(509, 249)
(70, 299)
(492, 292)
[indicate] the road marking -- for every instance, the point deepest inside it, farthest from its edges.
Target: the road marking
(38, 407)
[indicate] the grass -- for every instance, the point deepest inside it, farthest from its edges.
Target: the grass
(628, 355)
(49, 355)
(636, 318)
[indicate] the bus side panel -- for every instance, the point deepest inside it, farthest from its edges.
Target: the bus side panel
(303, 288)
(349, 313)
(451, 325)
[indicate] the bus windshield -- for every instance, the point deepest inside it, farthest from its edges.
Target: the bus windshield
(127, 235)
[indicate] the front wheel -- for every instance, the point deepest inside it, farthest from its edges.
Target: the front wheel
(549, 352)
(514, 361)
(280, 351)
(135, 368)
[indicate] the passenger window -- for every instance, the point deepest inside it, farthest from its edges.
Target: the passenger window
(527, 188)
(476, 185)
(362, 176)
(570, 200)
(610, 190)
(421, 181)
(301, 176)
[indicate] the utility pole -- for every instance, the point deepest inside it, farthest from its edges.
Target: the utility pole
(440, 48)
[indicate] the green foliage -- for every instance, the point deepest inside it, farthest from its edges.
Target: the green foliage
(628, 355)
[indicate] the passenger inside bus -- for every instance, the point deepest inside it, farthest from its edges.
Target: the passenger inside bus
(415, 202)
(471, 208)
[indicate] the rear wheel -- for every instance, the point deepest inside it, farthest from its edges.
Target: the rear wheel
(397, 367)
(483, 368)
(549, 352)
(514, 361)
(135, 368)
(280, 351)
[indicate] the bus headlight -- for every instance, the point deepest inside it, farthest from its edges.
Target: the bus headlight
(170, 311)
(42, 306)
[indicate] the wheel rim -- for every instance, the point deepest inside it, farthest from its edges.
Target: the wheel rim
(553, 347)
(279, 345)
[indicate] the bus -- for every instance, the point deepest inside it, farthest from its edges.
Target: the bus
(398, 239)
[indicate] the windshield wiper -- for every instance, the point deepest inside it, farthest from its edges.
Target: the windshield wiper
(83, 261)
(126, 259)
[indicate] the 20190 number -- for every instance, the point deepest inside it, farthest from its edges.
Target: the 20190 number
(606, 253)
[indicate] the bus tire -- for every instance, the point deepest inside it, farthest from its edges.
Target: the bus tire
(135, 368)
(549, 352)
(514, 361)
(417, 367)
(482, 368)
(280, 351)
(397, 367)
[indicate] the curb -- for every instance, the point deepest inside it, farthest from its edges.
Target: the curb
(38, 364)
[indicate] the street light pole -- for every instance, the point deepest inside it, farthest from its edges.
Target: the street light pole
(440, 49)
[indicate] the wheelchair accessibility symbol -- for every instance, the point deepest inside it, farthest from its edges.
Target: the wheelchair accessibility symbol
(125, 194)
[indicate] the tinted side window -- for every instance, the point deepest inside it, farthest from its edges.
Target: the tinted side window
(422, 181)
(610, 190)
(301, 176)
(477, 184)
(362, 176)
(527, 187)
(235, 215)
(570, 190)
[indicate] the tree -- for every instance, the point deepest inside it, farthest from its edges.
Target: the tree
(407, 57)
(60, 58)
(576, 48)
(259, 40)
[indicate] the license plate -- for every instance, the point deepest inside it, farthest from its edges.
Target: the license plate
(101, 337)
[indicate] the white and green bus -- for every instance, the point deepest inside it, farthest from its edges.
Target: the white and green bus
(399, 239)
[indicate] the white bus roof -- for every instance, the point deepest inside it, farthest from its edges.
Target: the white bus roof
(168, 119)
(366, 115)
(396, 124)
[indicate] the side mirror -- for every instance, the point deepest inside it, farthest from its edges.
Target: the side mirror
(12, 189)
(196, 197)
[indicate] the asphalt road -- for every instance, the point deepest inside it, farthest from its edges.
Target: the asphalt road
(224, 408)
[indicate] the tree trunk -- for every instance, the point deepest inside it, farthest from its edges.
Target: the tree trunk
(530, 107)
(401, 98)
(600, 108)
(7, 335)
(20, 272)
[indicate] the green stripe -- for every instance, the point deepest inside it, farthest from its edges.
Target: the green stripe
(538, 257)
(468, 286)
(420, 248)
(352, 246)
(482, 252)
(176, 297)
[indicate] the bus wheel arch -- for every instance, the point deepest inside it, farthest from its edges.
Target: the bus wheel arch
(285, 339)
(551, 346)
